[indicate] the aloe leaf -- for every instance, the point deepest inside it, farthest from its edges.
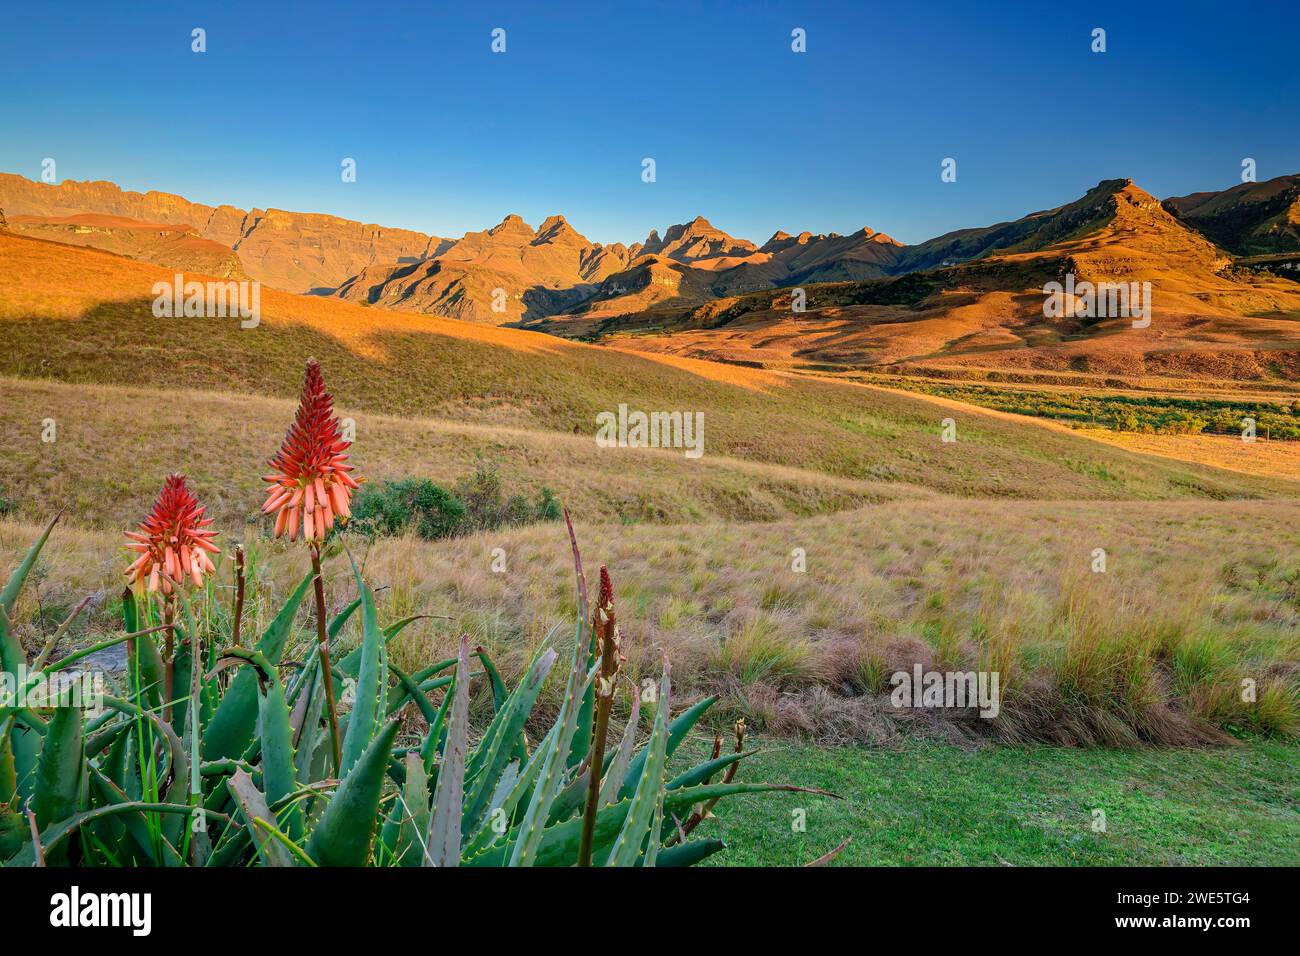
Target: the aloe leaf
(311, 731)
(345, 832)
(499, 692)
(410, 848)
(677, 732)
(11, 824)
(151, 845)
(11, 652)
(496, 749)
(647, 799)
(423, 681)
(559, 843)
(252, 804)
(279, 775)
(551, 776)
(486, 834)
(443, 847)
(145, 667)
(53, 836)
(688, 854)
(61, 770)
(705, 771)
(232, 728)
(413, 692)
(617, 769)
(25, 745)
(363, 722)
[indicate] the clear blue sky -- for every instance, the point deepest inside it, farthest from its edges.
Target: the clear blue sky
(450, 137)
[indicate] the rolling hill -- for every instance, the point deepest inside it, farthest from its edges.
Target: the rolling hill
(434, 393)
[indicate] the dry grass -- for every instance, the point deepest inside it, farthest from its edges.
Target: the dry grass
(1196, 597)
(1270, 459)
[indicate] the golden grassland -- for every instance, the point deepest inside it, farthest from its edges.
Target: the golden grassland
(1272, 459)
(974, 554)
(1196, 597)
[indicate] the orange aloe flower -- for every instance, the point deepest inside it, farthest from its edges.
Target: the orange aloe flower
(173, 540)
(311, 486)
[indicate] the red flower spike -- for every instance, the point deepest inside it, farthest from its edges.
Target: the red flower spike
(311, 486)
(173, 542)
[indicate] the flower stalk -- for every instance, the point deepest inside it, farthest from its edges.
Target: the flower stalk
(327, 671)
(605, 625)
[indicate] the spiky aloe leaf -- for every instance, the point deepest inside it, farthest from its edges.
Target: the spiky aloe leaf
(11, 824)
(498, 745)
(25, 746)
(232, 728)
(346, 829)
(411, 690)
(278, 772)
(310, 731)
(647, 798)
(145, 666)
(61, 770)
(351, 663)
(151, 845)
(677, 732)
(443, 845)
(499, 692)
(617, 769)
(414, 813)
(705, 771)
(559, 843)
(551, 775)
(512, 796)
(274, 734)
(53, 836)
(363, 722)
(432, 744)
(519, 751)
(688, 854)
(11, 652)
(252, 804)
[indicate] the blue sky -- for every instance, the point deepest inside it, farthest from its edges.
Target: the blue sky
(450, 137)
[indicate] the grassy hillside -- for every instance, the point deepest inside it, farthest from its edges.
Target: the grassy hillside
(82, 317)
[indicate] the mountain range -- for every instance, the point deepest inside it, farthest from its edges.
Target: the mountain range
(1221, 264)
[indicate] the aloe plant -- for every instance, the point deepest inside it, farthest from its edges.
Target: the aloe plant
(242, 772)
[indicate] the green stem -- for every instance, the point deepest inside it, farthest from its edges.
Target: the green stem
(327, 672)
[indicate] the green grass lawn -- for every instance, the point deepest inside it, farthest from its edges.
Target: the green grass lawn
(930, 804)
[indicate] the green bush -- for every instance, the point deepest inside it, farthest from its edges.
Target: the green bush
(478, 503)
(391, 507)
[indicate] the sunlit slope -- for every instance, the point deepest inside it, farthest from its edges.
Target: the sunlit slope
(81, 316)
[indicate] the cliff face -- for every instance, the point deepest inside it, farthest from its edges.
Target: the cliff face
(178, 247)
(298, 252)
(540, 272)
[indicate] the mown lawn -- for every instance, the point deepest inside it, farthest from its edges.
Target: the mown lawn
(938, 805)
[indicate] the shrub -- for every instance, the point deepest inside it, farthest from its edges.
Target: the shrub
(390, 508)
(486, 509)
